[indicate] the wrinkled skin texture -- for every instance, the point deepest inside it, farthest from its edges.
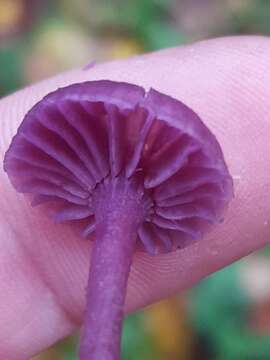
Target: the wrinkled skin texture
(43, 267)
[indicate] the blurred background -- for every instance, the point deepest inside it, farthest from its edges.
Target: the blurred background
(226, 316)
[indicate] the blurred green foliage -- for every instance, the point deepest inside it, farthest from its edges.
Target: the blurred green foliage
(220, 309)
(136, 343)
(11, 65)
(254, 18)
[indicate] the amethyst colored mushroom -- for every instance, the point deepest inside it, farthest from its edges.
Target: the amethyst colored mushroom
(139, 169)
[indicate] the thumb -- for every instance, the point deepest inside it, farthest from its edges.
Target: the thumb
(43, 267)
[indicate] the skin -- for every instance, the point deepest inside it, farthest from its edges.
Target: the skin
(43, 267)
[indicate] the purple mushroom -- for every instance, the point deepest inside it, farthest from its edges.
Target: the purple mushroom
(137, 169)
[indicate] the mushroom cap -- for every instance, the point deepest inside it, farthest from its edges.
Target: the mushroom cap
(79, 135)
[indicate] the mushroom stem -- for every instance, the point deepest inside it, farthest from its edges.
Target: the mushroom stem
(118, 212)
